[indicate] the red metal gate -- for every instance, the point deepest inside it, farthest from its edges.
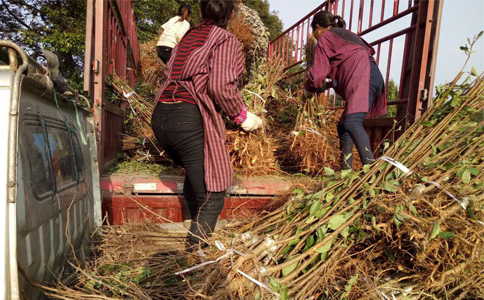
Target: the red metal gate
(413, 26)
(111, 47)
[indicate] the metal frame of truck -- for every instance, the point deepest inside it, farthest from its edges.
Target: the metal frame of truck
(162, 194)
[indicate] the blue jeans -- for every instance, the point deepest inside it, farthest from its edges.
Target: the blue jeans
(351, 131)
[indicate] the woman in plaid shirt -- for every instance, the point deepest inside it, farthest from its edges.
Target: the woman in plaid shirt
(347, 60)
(202, 76)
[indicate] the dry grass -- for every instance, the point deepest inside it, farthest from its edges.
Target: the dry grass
(152, 67)
(243, 33)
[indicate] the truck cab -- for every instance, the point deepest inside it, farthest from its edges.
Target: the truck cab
(50, 196)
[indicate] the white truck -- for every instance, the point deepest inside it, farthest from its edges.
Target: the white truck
(49, 175)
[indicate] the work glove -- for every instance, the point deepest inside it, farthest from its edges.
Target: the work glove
(327, 85)
(252, 122)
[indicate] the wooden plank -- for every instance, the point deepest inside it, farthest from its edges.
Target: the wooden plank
(88, 48)
(113, 108)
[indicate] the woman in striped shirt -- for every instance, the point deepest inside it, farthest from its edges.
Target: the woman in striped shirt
(202, 78)
(347, 60)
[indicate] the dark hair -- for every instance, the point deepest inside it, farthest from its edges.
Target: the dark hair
(184, 12)
(217, 11)
(326, 19)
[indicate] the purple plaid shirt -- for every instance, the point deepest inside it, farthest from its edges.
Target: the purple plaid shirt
(344, 56)
(211, 74)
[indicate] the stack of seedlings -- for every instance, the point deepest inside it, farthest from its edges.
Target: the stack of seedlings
(407, 226)
(254, 153)
(256, 53)
(315, 141)
(140, 141)
(242, 31)
(152, 68)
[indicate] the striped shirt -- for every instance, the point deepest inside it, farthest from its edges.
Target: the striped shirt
(344, 56)
(211, 74)
(196, 39)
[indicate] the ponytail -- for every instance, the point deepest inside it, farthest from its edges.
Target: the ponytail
(326, 19)
(339, 22)
(184, 12)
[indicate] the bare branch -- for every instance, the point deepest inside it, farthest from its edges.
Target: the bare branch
(16, 17)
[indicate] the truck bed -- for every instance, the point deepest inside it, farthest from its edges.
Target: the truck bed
(129, 198)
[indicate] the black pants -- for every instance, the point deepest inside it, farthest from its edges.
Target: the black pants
(164, 53)
(179, 130)
(351, 130)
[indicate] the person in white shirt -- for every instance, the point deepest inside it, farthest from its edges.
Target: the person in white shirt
(173, 32)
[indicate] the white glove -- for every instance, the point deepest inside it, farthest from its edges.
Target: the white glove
(252, 122)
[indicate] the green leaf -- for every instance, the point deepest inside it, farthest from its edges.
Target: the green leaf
(466, 176)
(455, 101)
(316, 206)
(349, 286)
(325, 248)
(474, 171)
(435, 230)
(283, 295)
(345, 232)
(288, 270)
(299, 193)
(412, 209)
(275, 285)
(353, 279)
(389, 187)
(294, 242)
(474, 72)
(398, 220)
(321, 232)
(373, 223)
(336, 221)
(329, 197)
(446, 234)
(320, 213)
(328, 171)
(309, 242)
(309, 220)
(372, 179)
(317, 195)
